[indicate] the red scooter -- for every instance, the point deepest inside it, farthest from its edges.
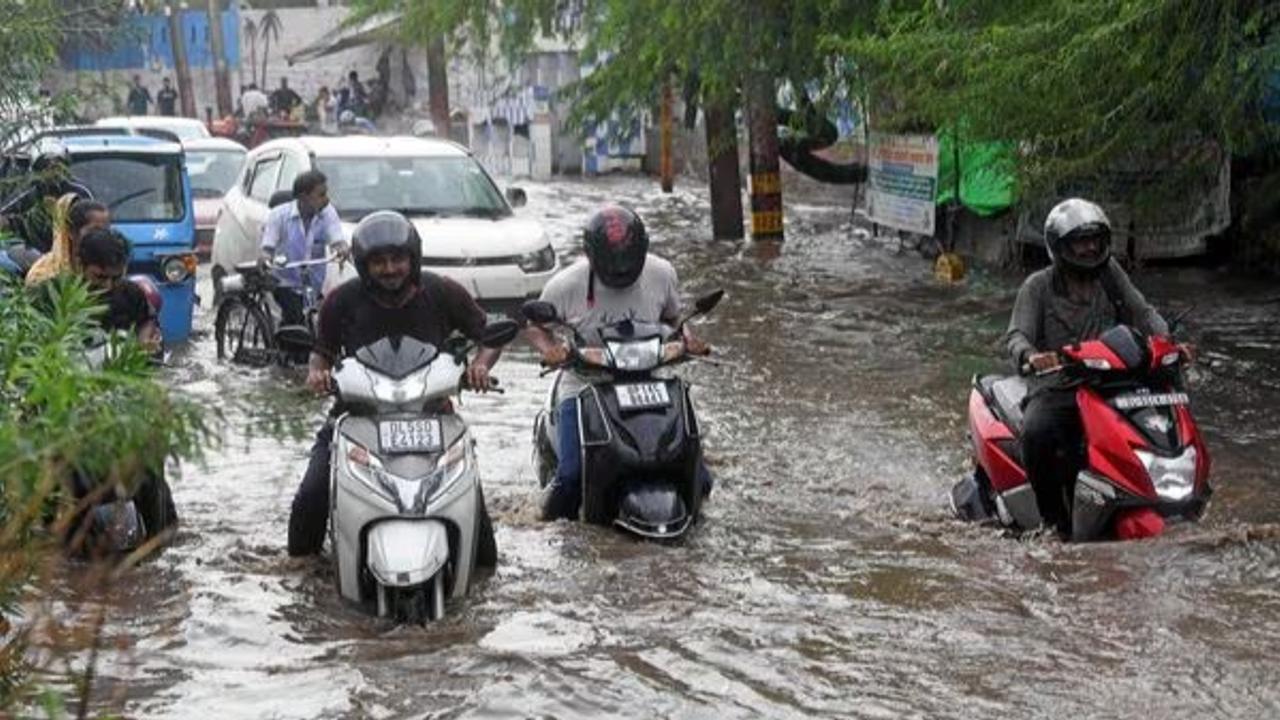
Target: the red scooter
(1144, 459)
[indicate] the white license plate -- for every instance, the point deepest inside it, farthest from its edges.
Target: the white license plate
(407, 436)
(641, 396)
(1130, 402)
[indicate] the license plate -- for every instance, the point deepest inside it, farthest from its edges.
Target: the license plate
(642, 396)
(407, 436)
(1130, 402)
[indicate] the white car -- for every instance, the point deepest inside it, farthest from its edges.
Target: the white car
(184, 128)
(469, 231)
(214, 164)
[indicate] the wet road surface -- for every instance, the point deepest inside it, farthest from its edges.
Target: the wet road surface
(827, 580)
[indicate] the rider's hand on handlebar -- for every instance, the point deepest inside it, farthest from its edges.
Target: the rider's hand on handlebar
(1188, 351)
(340, 250)
(320, 381)
(696, 346)
(1044, 361)
(556, 355)
(478, 377)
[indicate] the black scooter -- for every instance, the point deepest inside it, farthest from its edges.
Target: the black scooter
(640, 438)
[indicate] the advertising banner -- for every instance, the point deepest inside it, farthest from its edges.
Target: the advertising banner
(902, 181)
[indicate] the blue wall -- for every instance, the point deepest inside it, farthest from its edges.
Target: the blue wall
(144, 39)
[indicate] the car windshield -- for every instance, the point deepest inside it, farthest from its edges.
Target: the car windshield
(213, 172)
(140, 188)
(444, 186)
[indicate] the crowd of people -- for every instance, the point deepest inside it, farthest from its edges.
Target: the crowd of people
(352, 104)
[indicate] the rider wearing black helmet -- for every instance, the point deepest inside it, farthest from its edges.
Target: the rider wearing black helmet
(1081, 295)
(29, 213)
(392, 297)
(618, 279)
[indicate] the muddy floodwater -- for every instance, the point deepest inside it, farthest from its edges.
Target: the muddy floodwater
(827, 579)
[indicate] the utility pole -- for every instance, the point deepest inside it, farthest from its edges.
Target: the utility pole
(221, 74)
(766, 180)
(180, 68)
(665, 166)
(438, 86)
(726, 178)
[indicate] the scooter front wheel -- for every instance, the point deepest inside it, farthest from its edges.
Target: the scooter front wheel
(416, 605)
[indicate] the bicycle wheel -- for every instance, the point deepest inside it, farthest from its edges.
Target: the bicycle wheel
(244, 334)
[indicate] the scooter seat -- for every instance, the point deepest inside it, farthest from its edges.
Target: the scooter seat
(1008, 394)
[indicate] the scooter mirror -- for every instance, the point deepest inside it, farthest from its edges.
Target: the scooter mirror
(539, 312)
(707, 303)
(499, 333)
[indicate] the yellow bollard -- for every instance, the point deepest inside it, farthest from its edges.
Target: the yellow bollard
(949, 267)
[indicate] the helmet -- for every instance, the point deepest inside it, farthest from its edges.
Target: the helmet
(49, 152)
(1072, 220)
(616, 245)
(381, 231)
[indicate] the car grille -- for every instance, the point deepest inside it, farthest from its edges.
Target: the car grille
(468, 262)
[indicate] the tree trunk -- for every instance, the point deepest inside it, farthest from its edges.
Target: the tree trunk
(266, 55)
(766, 182)
(186, 95)
(666, 169)
(726, 179)
(221, 76)
(438, 86)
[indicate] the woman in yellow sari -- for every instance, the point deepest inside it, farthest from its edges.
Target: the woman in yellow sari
(72, 218)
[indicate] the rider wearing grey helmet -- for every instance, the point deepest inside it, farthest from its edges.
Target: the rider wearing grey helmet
(392, 297)
(1081, 295)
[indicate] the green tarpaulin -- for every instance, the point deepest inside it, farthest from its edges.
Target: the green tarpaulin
(986, 176)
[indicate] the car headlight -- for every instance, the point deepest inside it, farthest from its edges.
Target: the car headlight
(543, 260)
(178, 268)
(1174, 478)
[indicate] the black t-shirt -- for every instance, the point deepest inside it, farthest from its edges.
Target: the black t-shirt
(166, 100)
(350, 318)
(127, 308)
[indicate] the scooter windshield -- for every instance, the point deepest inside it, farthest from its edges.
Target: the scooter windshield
(397, 357)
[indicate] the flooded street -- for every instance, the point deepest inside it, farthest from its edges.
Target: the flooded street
(827, 579)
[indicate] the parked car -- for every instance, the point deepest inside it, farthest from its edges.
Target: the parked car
(469, 231)
(214, 165)
(144, 183)
(184, 128)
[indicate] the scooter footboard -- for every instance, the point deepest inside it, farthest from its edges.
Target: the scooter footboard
(407, 552)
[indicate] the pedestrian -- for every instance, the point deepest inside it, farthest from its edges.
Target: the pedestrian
(326, 109)
(139, 97)
(253, 101)
(167, 99)
(284, 99)
(358, 99)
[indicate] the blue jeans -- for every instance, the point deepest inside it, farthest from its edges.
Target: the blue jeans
(564, 496)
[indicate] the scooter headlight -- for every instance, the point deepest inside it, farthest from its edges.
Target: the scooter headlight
(452, 466)
(364, 466)
(1174, 478)
(636, 355)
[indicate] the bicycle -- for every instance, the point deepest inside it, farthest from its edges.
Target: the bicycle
(245, 327)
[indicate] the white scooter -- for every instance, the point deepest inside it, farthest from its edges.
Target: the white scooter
(407, 519)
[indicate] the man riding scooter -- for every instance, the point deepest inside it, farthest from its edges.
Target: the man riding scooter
(1081, 295)
(618, 280)
(391, 297)
(303, 229)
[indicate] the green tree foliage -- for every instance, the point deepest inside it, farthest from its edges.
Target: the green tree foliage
(58, 414)
(1083, 85)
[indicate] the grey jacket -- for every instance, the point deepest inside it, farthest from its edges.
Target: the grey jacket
(1045, 318)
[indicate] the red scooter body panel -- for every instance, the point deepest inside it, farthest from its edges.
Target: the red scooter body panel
(986, 429)
(1111, 440)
